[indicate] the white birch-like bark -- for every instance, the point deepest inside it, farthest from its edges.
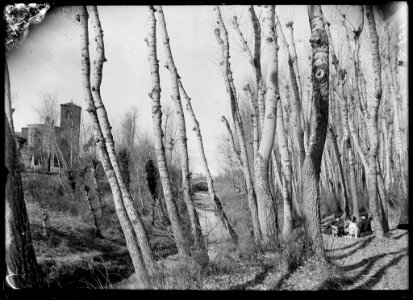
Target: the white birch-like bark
(265, 201)
(231, 139)
(199, 252)
(127, 228)
(226, 70)
(286, 165)
(212, 193)
(259, 82)
(378, 222)
(294, 57)
(7, 96)
(398, 136)
(180, 237)
(96, 80)
(296, 108)
(255, 121)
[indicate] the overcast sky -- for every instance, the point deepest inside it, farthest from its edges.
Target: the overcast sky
(49, 60)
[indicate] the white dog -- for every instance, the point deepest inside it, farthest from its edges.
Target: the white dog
(334, 230)
(353, 230)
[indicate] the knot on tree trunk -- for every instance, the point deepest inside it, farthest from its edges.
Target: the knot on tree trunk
(319, 38)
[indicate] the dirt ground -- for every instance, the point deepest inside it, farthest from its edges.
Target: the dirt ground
(359, 263)
(371, 263)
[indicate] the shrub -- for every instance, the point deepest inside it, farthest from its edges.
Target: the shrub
(200, 186)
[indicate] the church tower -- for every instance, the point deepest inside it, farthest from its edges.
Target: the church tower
(70, 130)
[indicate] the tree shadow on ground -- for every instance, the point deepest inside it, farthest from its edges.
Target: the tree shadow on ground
(360, 246)
(359, 241)
(258, 279)
(399, 236)
(379, 274)
(367, 264)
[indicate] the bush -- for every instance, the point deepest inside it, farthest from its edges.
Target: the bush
(47, 191)
(200, 186)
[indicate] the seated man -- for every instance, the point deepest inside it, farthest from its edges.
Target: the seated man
(338, 227)
(365, 225)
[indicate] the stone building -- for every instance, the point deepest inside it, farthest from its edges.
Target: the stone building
(43, 146)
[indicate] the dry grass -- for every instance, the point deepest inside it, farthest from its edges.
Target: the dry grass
(72, 256)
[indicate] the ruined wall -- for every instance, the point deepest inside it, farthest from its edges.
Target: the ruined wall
(40, 140)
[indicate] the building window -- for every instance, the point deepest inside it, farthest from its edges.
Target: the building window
(55, 161)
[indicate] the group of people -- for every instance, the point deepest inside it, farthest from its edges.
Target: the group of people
(352, 227)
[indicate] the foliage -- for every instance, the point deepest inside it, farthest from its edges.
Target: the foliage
(151, 178)
(19, 17)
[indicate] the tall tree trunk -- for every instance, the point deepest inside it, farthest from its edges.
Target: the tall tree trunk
(265, 201)
(180, 236)
(132, 212)
(138, 182)
(353, 185)
(296, 108)
(347, 143)
(312, 162)
(200, 251)
(218, 205)
(257, 67)
(286, 164)
(398, 137)
(93, 210)
(231, 139)
(131, 241)
(346, 138)
(20, 257)
(294, 57)
(7, 96)
(223, 42)
(388, 147)
(378, 222)
(255, 121)
(341, 172)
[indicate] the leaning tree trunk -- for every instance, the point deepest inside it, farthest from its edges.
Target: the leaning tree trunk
(92, 207)
(341, 172)
(200, 251)
(318, 123)
(378, 223)
(232, 141)
(296, 108)
(180, 237)
(22, 268)
(7, 96)
(227, 73)
(266, 210)
(294, 59)
(134, 215)
(211, 189)
(131, 241)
